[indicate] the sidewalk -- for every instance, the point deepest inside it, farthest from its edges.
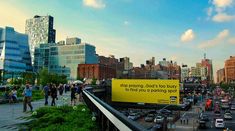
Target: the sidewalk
(10, 113)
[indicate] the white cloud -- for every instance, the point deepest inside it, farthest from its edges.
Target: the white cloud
(223, 17)
(187, 36)
(222, 3)
(94, 3)
(219, 11)
(231, 40)
(215, 41)
(223, 34)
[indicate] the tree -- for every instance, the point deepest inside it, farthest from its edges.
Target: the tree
(45, 77)
(93, 82)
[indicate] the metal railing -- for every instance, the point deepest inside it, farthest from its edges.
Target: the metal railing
(108, 117)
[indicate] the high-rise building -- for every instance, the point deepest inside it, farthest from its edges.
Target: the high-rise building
(14, 51)
(127, 64)
(229, 68)
(64, 58)
(220, 75)
(184, 72)
(164, 62)
(207, 63)
(151, 61)
(40, 30)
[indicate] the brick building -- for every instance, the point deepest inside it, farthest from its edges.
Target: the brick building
(97, 71)
(229, 69)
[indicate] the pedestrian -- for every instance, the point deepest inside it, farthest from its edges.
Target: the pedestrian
(14, 95)
(184, 121)
(27, 93)
(61, 89)
(46, 93)
(181, 120)
(73, 96)
(53, 95)
(187, 120)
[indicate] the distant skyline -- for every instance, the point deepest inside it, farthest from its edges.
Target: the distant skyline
(181, 31)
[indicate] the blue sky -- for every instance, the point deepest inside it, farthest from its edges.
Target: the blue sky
(179, 30)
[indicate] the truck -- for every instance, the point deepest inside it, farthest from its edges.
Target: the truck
(209, 105)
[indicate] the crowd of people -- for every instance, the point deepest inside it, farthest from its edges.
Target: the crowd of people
(49, 90)
(52, 90)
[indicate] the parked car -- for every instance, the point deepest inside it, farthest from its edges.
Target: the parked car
(228, 116)
(219, 123)
(165, 111)
(133, 116)
(125, 113)
(185, 106)
(159, 119)
(149, 118)
(156, 127)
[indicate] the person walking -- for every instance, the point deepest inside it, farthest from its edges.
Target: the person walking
(73, 95)
(27, 93)
(14, 95)
(46, 93)
(53, 94)
(61, 89)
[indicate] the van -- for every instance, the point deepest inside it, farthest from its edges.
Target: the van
(219, 123)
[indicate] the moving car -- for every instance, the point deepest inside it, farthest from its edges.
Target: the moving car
(133, 116)
(202, 123)
(149, 118)
(204, 117)
(219, 123)
(232, 106)
(225, 105)
(228, 116)
(217, 114)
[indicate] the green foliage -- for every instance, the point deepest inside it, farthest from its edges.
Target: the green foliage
(226, 86)
(93, 82)
(45, 77)
(79, 78)
(37, 95)
(62, 118)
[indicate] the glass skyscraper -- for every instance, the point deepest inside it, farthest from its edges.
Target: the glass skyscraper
(64, 58)
(14, 51)
(40, 30)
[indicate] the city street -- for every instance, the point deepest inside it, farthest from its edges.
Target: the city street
(193, 116)
(11, 113)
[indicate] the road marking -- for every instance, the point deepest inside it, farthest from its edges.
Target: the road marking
(184, 127)
(230, 122)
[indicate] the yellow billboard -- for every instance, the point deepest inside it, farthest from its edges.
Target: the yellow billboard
(145, 91)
